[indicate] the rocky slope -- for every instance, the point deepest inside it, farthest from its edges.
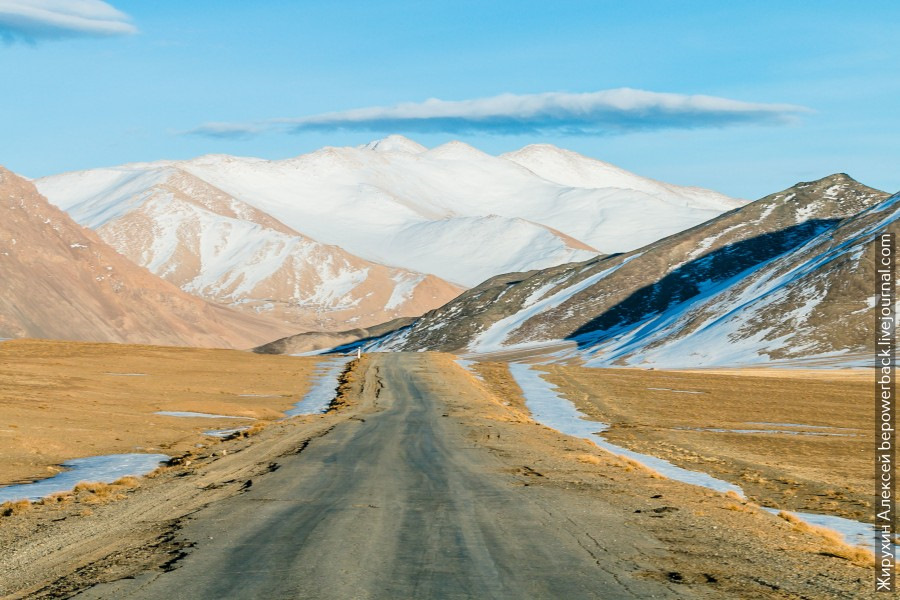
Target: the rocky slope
(787, 276)
(59, 280)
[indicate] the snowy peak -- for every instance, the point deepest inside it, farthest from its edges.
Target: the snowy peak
(571, 169)
(456, 150)
(395, 143)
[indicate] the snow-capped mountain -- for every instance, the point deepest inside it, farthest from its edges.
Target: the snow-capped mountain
(59, 280)
(788, 276)
(221, 249)
(341, 232)
(455, 211)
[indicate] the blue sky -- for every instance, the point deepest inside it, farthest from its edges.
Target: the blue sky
(800, 89)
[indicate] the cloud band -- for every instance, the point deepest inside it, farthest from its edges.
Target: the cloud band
(605, 112)
(33, 20)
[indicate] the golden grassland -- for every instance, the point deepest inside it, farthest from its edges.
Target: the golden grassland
(670, 414)
(649, 421)
(63, 400)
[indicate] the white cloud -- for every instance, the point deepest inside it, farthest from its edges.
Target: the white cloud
(595, 113)
(33, 20)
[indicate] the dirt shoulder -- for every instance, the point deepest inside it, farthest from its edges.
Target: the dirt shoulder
(64, 400)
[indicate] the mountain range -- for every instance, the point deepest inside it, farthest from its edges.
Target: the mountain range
(786, 277)
(352, 237)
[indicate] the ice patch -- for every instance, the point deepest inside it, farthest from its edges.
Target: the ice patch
(105, 469)
(224, 433)
(322, 393)
(467, 365)
(797, 425)
(199, 415)
(758, 431)
(854, 532)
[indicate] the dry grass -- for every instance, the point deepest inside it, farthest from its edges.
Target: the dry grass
(64, 400)
(589, 459)
(632, 465)
(57, 498)
(660, 412)
(96, 492)
(11, 509)
(833, 542)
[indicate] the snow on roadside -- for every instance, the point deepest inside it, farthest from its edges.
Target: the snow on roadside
(322, 392)
(549, 408)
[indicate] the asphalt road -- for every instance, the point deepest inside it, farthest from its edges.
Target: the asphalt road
(399, 505)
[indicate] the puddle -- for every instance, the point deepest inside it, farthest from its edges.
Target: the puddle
(323, 389)
(199, 415)
(105, 469)
(551, 409)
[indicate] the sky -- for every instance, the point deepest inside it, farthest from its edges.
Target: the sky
(746, 98)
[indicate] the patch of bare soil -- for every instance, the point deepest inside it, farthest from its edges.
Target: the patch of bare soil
(796, 440)
(64, 400)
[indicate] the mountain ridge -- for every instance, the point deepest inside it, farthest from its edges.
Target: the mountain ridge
(608, 306)
(61, 281)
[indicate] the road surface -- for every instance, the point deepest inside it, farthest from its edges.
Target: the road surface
(400, 503)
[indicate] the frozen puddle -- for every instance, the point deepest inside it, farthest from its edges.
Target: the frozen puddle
(105, 469)
(224, 433)
(800, 425)
(548, 408)
(767, 431)
(322, 393)
(199, 415)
